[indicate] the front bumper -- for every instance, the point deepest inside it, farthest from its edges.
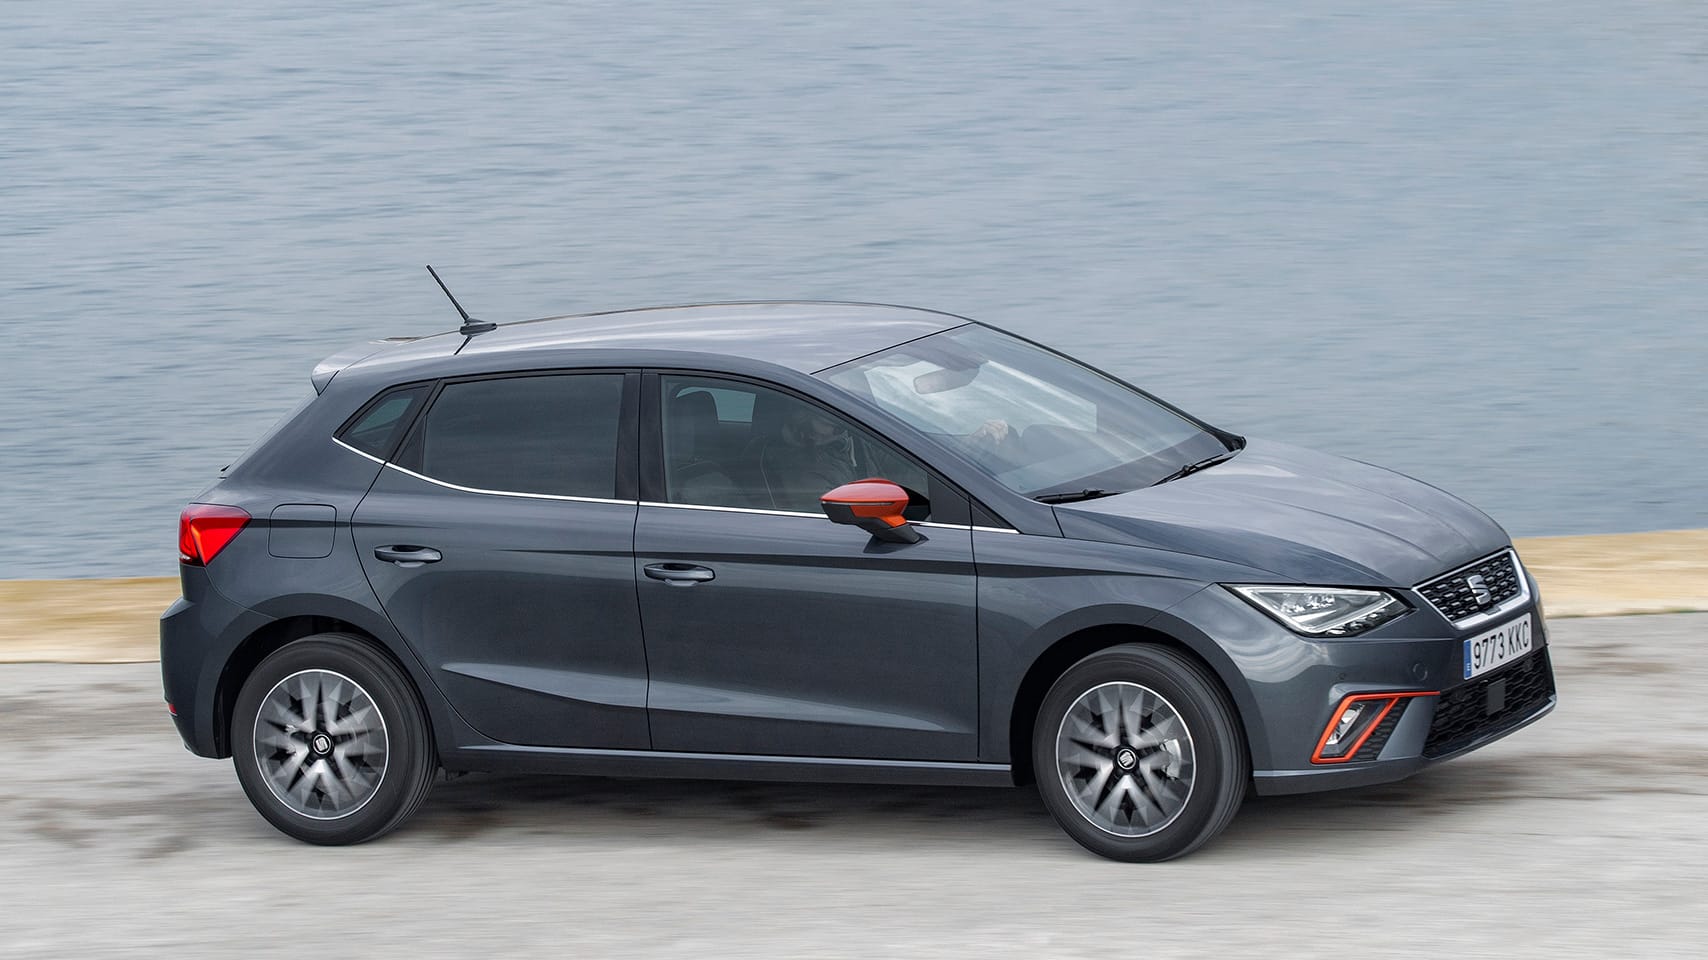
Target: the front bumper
(1288, 688)
(1434, 729)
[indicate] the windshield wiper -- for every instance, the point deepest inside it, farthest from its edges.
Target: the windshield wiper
(1073, 496)
(1196, 466)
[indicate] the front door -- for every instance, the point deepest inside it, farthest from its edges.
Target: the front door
(771, 630)
(500, 542)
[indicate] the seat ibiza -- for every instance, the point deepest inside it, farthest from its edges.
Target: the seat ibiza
(822, 542)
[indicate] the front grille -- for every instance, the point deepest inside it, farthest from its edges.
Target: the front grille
(1457, 596)
(1462, 713)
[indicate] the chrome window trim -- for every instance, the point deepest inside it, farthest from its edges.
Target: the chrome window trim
(785, 513)
(931, 523)
(511, 493)
(359, 453)
(752, 510)
(1520, 599)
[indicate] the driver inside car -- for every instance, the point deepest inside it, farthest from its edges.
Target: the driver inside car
(813, 453)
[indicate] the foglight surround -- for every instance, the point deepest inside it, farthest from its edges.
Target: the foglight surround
(1328, 612)
(1353, 722)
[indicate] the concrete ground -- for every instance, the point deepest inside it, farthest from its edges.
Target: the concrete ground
(1585, 835)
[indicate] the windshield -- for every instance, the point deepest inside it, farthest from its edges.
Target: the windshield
(1035, 420)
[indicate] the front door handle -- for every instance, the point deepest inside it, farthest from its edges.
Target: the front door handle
(679, 574)
(408, 556)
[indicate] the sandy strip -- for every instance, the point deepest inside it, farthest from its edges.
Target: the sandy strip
(113, 621)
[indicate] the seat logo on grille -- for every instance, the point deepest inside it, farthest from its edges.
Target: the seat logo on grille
(1479, 589)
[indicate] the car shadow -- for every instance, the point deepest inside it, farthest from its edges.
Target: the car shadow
(478, 805)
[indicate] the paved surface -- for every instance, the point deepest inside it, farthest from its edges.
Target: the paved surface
(1586, 835)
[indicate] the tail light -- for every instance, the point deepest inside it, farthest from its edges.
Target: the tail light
(205, 528)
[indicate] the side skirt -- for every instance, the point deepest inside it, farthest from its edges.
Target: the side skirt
(585, 761)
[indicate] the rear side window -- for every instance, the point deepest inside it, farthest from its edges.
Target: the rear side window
(376, 427)
(554, 435)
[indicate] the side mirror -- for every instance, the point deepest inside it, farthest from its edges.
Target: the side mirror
(875, 506)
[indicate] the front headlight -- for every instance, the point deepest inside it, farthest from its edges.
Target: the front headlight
(1325, 611)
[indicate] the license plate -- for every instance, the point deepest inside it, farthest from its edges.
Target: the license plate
(1503, 644)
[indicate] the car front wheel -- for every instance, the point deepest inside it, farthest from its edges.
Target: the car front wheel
(330, 741)
(1138, 754)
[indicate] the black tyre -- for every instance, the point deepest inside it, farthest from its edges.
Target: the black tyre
(1139, 755)
(331, 742)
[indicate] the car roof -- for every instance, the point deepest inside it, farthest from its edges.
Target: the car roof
(807, 336)
(802, 335)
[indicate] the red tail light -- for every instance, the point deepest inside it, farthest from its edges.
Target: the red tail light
(205, 528)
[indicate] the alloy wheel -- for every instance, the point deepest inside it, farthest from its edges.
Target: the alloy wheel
(1126, 759)
(320, 743)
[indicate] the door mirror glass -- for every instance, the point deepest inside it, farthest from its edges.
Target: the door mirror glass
(874, 505)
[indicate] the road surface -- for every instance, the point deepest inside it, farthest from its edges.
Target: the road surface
(1585, 835)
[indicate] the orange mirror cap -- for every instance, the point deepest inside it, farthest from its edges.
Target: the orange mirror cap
(874, 505)
(867, 492)
(871, 499)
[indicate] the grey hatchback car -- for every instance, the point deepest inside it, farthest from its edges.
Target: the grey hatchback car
(822, 542)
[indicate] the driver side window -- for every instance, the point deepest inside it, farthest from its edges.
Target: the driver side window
(729, 443)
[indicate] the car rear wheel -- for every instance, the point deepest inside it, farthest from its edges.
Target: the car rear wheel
(330, 741)
(1138, 754)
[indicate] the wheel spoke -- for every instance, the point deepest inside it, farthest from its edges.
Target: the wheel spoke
(358, 719)
(1132, 715)
(1156, 791)
(1110, 806)
(1084, 732)
(1109, 709)
(287, 770)
(276, 738)
(1169, 729)
(1086, 759)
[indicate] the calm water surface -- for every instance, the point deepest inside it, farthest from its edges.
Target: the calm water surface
(1466, 241)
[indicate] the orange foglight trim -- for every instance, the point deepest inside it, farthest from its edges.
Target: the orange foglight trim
(1334, 719)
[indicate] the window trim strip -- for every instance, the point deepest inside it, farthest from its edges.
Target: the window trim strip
(510, 493)
(359, 453)
(813, 516)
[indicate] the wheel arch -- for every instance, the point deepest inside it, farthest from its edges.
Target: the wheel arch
(258, 646)
(1075, 646)
(304, 615)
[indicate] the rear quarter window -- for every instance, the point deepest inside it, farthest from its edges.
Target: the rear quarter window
(554, 435)
(375, 428)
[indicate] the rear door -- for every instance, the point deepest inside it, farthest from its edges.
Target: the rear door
(500, 542)
(771, 630)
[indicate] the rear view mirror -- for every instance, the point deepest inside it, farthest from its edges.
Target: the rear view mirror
(948, 378)
(874, 505)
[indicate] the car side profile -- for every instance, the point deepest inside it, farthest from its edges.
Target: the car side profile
(822, 542)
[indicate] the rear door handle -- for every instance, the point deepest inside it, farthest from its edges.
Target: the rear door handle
(408, 556)
(679, 574)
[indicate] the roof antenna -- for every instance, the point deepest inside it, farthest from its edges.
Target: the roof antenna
(470, 326)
